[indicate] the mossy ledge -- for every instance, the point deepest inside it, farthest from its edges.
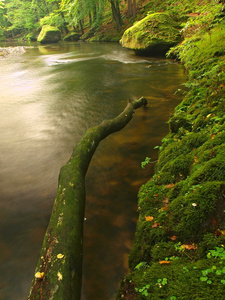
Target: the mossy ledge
(59, 270)
(179, 247)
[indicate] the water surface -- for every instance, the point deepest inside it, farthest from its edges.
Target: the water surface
(49, 97)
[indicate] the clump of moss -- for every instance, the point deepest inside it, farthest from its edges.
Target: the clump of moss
(154, 34)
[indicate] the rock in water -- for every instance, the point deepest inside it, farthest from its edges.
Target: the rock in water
(49, 34)
(72, 36)
(153, 35)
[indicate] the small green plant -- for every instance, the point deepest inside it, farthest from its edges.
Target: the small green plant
(209, 274)
(145, 162)
(178, 247)
(218, 252)
(161, 282)
(143, 290)
(141, 265)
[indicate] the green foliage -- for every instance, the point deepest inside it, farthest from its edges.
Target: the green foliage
(53, 19)
(20, 15)
(141, 265)
(145, 162)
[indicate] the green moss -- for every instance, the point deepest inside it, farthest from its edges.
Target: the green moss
(212, 170)
(49, 34)
(146, 238)
(162, 251)
(191, 213)
(178, 167)
(179, 120)
(181, 281)
(186, 195)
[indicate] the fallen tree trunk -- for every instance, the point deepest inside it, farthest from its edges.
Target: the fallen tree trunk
(58, 273)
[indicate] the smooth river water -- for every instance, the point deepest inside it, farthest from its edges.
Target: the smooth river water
(49, 97)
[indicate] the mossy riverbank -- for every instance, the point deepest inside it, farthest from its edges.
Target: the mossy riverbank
(179, 247)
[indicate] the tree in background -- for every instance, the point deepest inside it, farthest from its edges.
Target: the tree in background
(76, 11)
(27, 16)
(20, 16)
(3, 18)
(131, 8)
(115, 6)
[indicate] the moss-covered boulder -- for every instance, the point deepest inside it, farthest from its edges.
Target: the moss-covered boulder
(72, 36)
(49, 34)
(154, 34)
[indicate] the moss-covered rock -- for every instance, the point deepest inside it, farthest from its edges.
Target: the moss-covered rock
(49, 34)
(154, 34)
(72, 36)
(178, 121)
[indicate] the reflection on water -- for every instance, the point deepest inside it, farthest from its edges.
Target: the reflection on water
(49, 97)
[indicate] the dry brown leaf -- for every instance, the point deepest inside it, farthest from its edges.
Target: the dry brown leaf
(173, 238)
(169, 186)
(189, 246)
(155, 225)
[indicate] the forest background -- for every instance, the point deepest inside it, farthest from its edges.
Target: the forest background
(18, 18)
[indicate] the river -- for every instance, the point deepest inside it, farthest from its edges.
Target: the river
(49, 97)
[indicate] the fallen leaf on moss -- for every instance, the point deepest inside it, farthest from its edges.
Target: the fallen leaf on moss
(155, 225)
(149, 218)
(169, 186)
(166, 201)
(173, 238)
(59, 276)
(164, 262)
(163, 208)
(217, 232)
(189, 246)
(60, 255)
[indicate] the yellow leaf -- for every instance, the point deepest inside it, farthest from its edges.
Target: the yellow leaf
(39, 275)
(60, 277)
(164, 262)
(60, 255)
(149, 218)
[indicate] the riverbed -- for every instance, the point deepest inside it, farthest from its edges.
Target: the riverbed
(49, 96)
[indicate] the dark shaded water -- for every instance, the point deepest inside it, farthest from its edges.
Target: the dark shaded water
(49, 96)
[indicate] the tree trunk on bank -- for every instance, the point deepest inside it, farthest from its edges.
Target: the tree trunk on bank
(131, 4)
(116, 13)
(58, 273)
